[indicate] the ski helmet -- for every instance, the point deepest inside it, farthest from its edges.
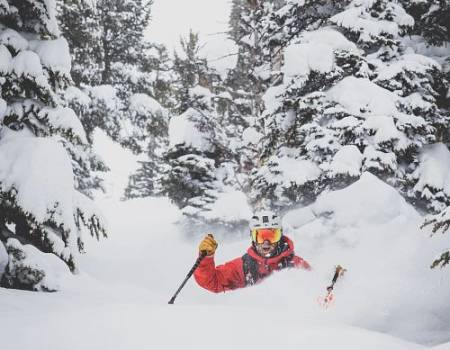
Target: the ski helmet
(264, 219)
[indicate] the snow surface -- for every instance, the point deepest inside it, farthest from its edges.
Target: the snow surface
(119, 300)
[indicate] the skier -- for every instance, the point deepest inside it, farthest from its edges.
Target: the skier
(270, 251)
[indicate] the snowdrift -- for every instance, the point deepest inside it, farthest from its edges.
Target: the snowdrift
(120, 299)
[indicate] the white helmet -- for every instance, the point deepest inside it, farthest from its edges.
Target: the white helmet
(264, 219)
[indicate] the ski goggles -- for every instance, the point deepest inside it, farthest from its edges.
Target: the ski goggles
(260, 235)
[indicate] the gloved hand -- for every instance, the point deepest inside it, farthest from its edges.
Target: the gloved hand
(208, 245)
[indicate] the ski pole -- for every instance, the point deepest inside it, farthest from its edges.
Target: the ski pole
(190, 273)
(329, 298)
(339, 271)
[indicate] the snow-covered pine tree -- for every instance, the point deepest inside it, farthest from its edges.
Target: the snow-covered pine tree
(252, 71)
(440, 224)
(431, 35)
(123, 64)
(432, 19)
(79, 22)
(197, 156)
(158, 63)
(354, 97)
(122, 26)
(244, 86)
(151, 123)
(42, 146)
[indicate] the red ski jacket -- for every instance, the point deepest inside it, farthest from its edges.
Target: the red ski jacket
(246, 270)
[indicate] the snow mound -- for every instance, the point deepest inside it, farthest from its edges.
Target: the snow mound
(370, 229)
(352, 204)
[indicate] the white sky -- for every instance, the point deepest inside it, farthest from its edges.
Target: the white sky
(173, 18)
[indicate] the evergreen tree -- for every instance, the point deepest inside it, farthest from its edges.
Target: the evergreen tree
(432, 19)
(151, 136)
(121, 65)
(194, 157)
(252, 72)
(440, 224)
(79, 22)
(42, 146)
(122, 26)
(191, 170)
(351, 99)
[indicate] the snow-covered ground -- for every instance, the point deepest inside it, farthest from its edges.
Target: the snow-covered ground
(388, 299)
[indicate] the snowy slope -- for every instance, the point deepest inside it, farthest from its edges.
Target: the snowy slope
(119, 300)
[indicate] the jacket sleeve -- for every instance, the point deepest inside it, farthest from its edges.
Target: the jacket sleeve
(301, 263)
(221, 278)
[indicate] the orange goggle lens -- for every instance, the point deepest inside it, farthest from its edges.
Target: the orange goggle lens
(259, 235)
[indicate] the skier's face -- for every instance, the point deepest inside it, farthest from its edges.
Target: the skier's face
(266, 249)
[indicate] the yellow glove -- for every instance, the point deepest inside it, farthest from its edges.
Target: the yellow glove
(208, 245)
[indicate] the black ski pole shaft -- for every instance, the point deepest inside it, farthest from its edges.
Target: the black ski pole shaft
(190, 273)
(339, 271)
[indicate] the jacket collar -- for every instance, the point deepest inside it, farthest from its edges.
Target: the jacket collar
(288, 250)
